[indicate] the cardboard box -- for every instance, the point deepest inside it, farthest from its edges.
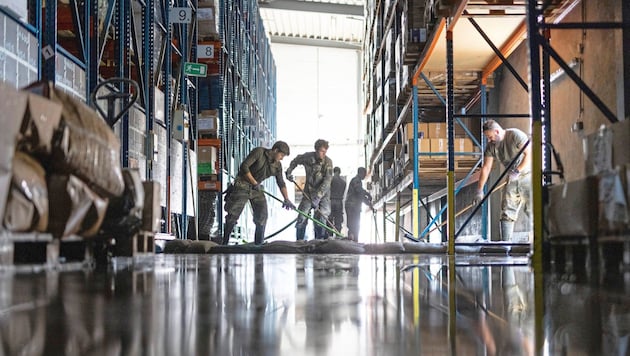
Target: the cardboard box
(205, 3)
(570, 211)
(207, 22)
(422, 130)
(18, 8)
(206, 124)
(424, 146)
(437, 129)
(463, 145)
(438, 145)
(152, 212)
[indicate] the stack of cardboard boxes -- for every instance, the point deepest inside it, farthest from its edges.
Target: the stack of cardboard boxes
(433, 143)
(207, 20)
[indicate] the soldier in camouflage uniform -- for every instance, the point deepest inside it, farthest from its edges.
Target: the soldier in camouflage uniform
(337, 194)
(504, 145)
(260, 164)
(355, 198)
(319, 171)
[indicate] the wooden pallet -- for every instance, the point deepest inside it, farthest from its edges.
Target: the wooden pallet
(42, 249)
(142, 243)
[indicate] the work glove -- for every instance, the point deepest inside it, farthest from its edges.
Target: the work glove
(513, 175)
(287, 204)
(315, 202)
(258, 187)
(478, 197)
(290, 177)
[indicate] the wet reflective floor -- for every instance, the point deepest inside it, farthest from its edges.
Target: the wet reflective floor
(257, 304)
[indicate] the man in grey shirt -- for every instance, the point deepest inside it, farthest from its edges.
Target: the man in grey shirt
(504, 145)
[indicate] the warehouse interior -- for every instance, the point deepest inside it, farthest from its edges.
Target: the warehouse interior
(126, 121)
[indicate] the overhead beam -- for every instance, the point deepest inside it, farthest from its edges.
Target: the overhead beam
(315, 42)
(312, 6)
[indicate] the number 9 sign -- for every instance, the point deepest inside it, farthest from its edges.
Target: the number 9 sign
(180, 15)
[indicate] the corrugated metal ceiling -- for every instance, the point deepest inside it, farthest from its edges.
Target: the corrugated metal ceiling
(319, 23)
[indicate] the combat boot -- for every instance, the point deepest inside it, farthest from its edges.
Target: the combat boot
(227, 231)
(300, 232)
(319, 232)
(507, 228)
(259, 235)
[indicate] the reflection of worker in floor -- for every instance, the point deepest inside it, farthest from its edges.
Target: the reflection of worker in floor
(319, 171)
(355, 197)
(518, 340)
(337, 193)
(260, 164)
(504, 145)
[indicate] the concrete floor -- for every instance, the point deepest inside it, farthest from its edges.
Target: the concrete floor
(285, 304)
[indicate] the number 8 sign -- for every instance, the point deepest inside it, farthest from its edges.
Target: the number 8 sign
(205, 51)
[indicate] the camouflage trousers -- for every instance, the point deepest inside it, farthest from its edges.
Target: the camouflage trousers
(353, 220)
(322, 213)
(238, 195)
(517, 194)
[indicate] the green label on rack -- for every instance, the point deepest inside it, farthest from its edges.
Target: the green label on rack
(195, 69)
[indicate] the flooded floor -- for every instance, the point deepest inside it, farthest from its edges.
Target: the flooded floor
(280, 304)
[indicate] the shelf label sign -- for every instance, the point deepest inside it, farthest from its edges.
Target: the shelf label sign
(205, 51)
(180, 15)
(195, 69)
(48, 52)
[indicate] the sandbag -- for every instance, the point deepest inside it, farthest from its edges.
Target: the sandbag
(176, 246)
(286, 247)
(84, 145)
(336, 246)
(74, 208)
(27, 202)
(124, 213)
(386, 248)
(200, 247)
(28, 122)
(423, 247)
